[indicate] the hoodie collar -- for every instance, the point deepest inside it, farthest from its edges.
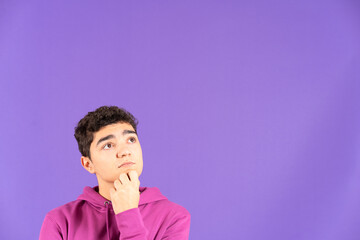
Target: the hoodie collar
(92, 196)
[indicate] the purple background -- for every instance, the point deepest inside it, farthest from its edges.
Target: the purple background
(249, 110)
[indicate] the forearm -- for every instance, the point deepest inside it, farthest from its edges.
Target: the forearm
(131, 225)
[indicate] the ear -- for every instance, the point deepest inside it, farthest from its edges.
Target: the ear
(87, 164)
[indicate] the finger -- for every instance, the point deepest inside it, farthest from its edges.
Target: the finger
(117, 184)
(124, 178)
(133, 175)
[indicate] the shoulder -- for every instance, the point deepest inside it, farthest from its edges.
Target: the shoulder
(55, 222)
(177, 208)
(169, 208)
(173, 220)
(63, 212)
(153, 202)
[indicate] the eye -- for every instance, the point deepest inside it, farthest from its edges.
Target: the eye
(107, 146)
(132, 140)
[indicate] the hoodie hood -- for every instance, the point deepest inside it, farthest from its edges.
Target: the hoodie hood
(92, 196)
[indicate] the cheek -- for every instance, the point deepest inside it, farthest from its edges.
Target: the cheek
(138, 150)
(105, 154)
(103, 160)
(140, 160)
(139, 169)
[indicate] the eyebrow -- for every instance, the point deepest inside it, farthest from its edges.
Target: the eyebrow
(112, 136)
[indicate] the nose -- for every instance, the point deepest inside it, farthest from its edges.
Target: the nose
(123, 152)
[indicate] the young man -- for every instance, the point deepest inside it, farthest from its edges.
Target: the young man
(118, 208)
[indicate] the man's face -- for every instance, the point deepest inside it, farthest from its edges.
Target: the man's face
(112, 146)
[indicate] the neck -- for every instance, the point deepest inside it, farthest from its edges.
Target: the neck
(104, 189)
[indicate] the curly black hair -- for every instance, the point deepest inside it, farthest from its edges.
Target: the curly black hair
(93, 121)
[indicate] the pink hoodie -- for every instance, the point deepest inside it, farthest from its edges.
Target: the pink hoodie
(91, 217)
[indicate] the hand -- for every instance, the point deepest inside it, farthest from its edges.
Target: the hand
(125, 194)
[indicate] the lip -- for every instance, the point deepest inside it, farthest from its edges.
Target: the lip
(126, 164)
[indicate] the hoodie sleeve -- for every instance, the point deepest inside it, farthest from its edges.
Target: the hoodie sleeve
(131, 225)
(50, 230)
(179, 226)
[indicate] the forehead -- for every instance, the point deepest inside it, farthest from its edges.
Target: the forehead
(115, 129)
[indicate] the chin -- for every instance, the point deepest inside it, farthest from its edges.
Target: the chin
(126, 170)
